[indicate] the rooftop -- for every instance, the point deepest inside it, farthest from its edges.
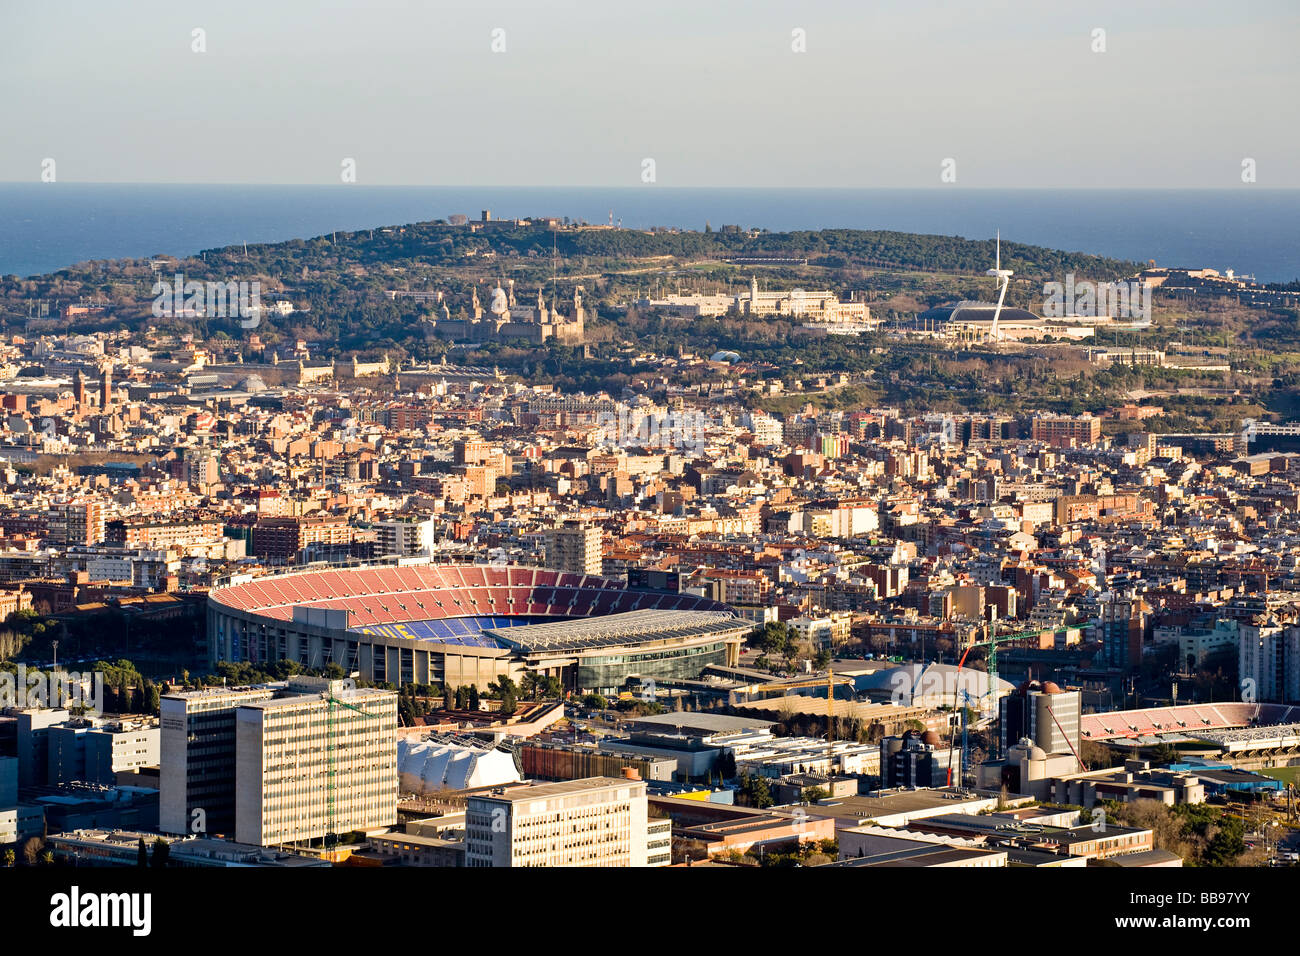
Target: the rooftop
(527, 792)
(615, 629)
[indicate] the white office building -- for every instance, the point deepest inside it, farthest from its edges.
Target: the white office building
(321, 760)
(599, 821)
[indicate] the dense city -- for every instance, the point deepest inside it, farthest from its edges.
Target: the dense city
(269, 607)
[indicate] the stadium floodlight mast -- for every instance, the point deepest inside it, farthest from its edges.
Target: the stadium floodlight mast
(1004, 279)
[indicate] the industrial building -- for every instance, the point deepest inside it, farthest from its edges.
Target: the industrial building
(430, 766)
(918, 760)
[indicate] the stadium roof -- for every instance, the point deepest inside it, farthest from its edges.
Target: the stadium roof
(979, 312)
(1250, 738)
(617, 629)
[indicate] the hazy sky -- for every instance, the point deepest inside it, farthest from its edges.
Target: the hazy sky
(711, 90)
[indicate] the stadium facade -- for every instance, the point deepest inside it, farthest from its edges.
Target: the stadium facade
(462, 625)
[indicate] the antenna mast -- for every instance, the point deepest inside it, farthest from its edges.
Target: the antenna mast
(1004, 279)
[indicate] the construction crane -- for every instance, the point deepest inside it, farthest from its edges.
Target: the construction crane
(991, 689)
(787, 685)
(992, 644)
(829, 682)
(830, 724)
(965, 743)
(331, 835)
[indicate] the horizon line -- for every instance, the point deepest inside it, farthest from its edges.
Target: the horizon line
(650, 187)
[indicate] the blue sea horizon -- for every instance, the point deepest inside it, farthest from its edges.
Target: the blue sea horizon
(50, 226)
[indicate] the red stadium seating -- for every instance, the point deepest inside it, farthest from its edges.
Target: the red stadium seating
(389, 595)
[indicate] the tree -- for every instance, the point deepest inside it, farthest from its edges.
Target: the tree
(773, 637)
(474, 699)
(530, 685)
(8, 857)
(32, 850)
(1163, 754)
(161, 851)
(142, 855)
(505, 690)
(757, 792)
(152, 698)
(822, 660)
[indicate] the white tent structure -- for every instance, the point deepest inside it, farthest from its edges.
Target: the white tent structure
(429, 766)
(935, 685)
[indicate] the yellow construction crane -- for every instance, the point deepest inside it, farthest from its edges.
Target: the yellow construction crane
(801, 684)
(331, 835)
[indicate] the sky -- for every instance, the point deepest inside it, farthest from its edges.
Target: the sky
(714, 92)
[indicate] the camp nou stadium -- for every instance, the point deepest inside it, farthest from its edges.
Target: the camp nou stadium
(463, 624)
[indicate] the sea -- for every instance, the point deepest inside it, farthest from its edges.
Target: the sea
(45, 227)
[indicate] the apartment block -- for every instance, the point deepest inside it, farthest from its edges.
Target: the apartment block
(575, 548)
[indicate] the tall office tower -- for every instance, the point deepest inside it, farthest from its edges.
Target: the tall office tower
(599, 821)
(197, 758)
(575, 548)
(321, 760)
(1043, 712)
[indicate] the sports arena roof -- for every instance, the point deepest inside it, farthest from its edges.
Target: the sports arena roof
(1254, 738)
(969, 313)
(618, 629)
